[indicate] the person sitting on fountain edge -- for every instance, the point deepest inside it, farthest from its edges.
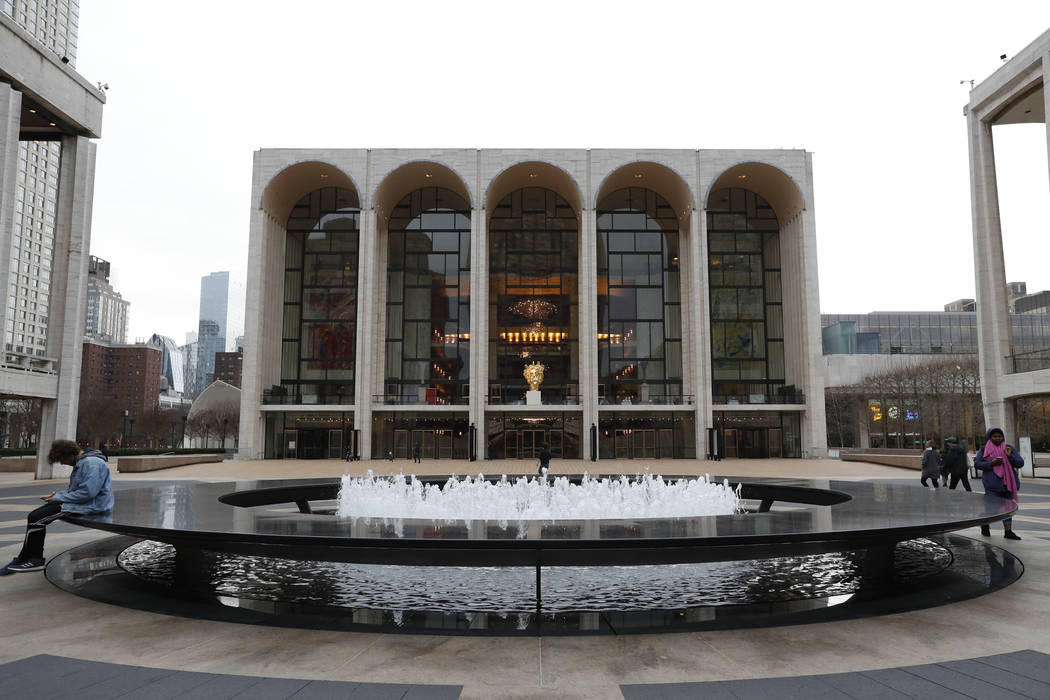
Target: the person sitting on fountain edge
(89, 491)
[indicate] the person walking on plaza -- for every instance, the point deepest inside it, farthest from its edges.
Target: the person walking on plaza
(545, 459)
(89, 491)
(998, 463)
(955, 464)
(417, 453)
(931, 464)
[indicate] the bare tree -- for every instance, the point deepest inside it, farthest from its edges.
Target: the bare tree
(19, 423)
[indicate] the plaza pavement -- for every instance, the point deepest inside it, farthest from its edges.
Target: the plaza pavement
(39, 619)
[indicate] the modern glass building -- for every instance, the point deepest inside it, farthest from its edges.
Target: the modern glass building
(396, 296)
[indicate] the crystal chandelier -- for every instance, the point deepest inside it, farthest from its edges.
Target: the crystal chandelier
(534, 309)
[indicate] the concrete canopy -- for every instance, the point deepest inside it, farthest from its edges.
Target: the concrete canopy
(220, 397)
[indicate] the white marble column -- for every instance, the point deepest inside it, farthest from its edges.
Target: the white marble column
(698, 326)
(993, 320)
(588, 340)
(68, 294)
(368, 277)
(479, 331)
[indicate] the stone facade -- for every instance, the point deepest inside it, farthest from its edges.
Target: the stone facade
(582, 178)
(1014, 94)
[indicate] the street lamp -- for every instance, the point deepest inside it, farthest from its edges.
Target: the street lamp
(183, 441)
(131, 430)
(224, 422)
(124, 428)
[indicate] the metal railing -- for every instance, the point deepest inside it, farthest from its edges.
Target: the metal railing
(788, 397)
(29, 363)
(1031, 361)
(416, 400)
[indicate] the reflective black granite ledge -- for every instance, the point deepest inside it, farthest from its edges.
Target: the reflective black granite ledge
(875, 514)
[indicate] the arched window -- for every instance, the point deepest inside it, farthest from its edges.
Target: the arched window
(428, 299)
(533, 296)
(639, 299)
(320, 298)
(747, 319)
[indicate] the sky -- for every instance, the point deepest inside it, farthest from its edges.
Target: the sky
(875, 91)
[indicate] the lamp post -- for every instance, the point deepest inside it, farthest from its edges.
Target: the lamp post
(224, 422)
(183, 441)
(131, 430)
(124, 428)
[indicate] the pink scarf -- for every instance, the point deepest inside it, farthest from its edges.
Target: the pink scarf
(1005, 470)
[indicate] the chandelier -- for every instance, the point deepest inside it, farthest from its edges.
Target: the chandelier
(534, 309)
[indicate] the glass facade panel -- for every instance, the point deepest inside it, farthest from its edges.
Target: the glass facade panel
(639, 310)
(320, 298)
(746, 312)
(428, 306)
(533, 296)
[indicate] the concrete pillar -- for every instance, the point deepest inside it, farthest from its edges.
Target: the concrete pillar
(697, 325)
(993, 320)
(10, 119)
(67, 308)
(367, 278)
(479, 330)
(588, 340)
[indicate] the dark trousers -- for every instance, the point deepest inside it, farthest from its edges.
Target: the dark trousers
(956, 478)
(922, 480)
(36, 525)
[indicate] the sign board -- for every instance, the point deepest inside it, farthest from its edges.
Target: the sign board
(1024, 444)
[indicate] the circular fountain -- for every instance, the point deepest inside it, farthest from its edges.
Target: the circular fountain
(498, 556)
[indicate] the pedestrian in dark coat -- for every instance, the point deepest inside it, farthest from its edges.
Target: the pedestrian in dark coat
(956, 464)
(931, 464)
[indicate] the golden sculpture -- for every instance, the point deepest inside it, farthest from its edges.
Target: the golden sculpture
(534, 375)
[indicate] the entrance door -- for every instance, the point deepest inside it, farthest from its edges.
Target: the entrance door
(400, 444)
(622, 444)
(335, 444)
(666, 439)
(556, 443)
(644, 444)
(531, 442)
(732, 443)
(287, 444)
(775, 438)
(444, 444)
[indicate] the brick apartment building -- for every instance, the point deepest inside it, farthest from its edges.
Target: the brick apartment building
(228, 367)
(128, 375)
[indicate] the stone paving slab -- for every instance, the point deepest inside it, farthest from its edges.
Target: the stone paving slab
(59, 677)
(1020, 675)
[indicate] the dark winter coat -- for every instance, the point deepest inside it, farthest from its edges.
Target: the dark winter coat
(955, 462)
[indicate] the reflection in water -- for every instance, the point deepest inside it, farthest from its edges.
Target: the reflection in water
(512, 590)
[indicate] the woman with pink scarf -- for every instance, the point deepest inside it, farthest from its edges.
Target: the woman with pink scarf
(997, 462)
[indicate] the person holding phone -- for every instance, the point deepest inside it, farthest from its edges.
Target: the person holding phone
(89, 491)
(998, 463)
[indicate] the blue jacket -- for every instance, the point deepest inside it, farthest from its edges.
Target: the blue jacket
(989, 478)
(90, 490)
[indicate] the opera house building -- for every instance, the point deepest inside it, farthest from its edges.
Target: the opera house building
(480, 304)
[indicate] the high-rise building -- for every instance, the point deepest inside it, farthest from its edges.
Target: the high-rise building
(48, 116)
(52, 24)
(107, 311)
(228, 367)
(221, 321)
(128, 375)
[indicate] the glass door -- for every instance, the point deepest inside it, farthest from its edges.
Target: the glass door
(732, 445)
(666, 437)
(622, 444)
(335, 444)
(401, 444)
(775, 436)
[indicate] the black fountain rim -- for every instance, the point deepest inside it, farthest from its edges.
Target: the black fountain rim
(837, 515)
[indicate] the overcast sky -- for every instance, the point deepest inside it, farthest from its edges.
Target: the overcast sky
(875, 94)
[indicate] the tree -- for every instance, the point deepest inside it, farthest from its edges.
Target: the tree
(19, 423)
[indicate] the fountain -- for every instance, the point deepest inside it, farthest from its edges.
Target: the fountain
(517, 555)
